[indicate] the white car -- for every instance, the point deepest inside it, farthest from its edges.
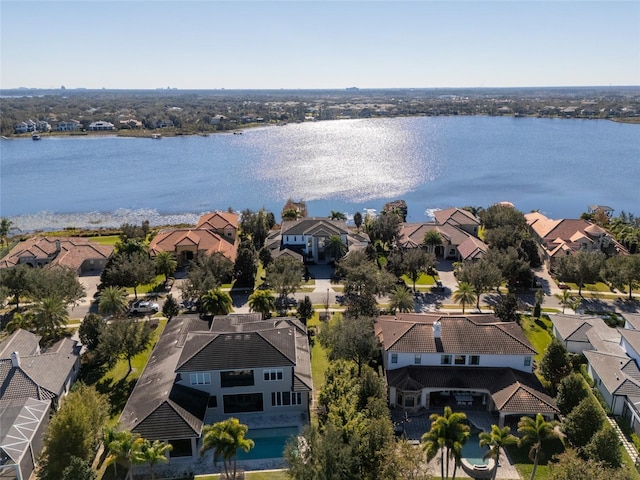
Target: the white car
(144, 306)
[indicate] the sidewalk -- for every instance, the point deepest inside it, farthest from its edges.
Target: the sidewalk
(628, 446)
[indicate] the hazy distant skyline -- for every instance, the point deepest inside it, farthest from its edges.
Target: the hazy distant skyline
(318, 44)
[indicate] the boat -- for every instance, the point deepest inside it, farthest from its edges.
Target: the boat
(156, 136)
(35, 136)
(237, 133)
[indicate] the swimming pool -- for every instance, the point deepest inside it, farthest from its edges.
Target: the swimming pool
(472, 451)
(269, 443)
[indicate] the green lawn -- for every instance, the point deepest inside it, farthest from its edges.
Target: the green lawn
(538, 331)
(153, 286)
(590, 287)
(106, 239)
(423, 280)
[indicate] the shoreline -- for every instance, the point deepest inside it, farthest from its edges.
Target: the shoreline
(172, 132)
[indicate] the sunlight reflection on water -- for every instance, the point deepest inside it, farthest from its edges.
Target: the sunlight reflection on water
(354, 160)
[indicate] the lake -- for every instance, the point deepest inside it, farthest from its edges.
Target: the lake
(557, 166)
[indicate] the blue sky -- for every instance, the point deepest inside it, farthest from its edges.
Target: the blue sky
(318, 44)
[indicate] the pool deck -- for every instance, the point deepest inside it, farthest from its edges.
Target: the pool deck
(415, 425)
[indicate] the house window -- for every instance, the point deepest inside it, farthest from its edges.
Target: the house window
(445, 360)
(394, 358)
(527, 361)
(213, 402)
(460, 360)
(200, 378)
(474, 360)
(236, 378)
(417, 359)
(273, 374)
(284, 399)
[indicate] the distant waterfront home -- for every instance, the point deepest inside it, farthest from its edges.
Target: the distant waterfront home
(558, 238)
(25, 127)
(79, 254)
(131, 123)
(458, 230)
(309, 237)
(68, 126)
(464, 361)
(101, 125)
(164, 123)
(201, 373)
(216, 232)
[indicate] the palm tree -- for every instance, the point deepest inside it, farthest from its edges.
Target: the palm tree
(262, 301)
(401, 299)
(6, 226)
(431, 240)
(337, 216)
(49, 315)
(166, 264)
(565, 299)
(19, 321)
(464, 295)
(496, 439)
(290, 214)
(121, 445)
(447, 435)
(151, 453)
(534, 432)
(217, 302)
(335, 247)
(112, 301)
(225, 438)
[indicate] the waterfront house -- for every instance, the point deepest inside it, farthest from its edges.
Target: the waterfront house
(309, 238)
(558, 238)
(25, 127)
(101, 125)
(473, 361)
(202, 372)
(80, 254)
(215, 232)
(458, 230)
(68, 126)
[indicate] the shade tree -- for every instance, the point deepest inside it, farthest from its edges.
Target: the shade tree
(581, 267)
(285, 275)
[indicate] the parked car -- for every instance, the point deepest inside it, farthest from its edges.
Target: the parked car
(144, 306)
(563, 286)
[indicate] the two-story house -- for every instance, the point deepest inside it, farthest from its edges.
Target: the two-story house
(458, 230)
(215, 232)
(309, 237)
(238, 365)
(465, 361)
(562, 237)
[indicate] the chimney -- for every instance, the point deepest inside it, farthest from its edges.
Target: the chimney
(436, 329)
(15, 359)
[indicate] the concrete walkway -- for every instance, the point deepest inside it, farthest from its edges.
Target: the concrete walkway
(628, 446)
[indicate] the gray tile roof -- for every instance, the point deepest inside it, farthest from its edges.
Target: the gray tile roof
(632, 337)
(22, 341)
(160, 409)
(41, 374)
(313, 225)
(615, 371)
(459, 334)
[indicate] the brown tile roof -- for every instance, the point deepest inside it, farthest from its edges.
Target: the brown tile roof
(460, 334)
(472, 248)
(218, 220)
(206, 241)
(455, 216)
(512, 391)
(74, 251)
